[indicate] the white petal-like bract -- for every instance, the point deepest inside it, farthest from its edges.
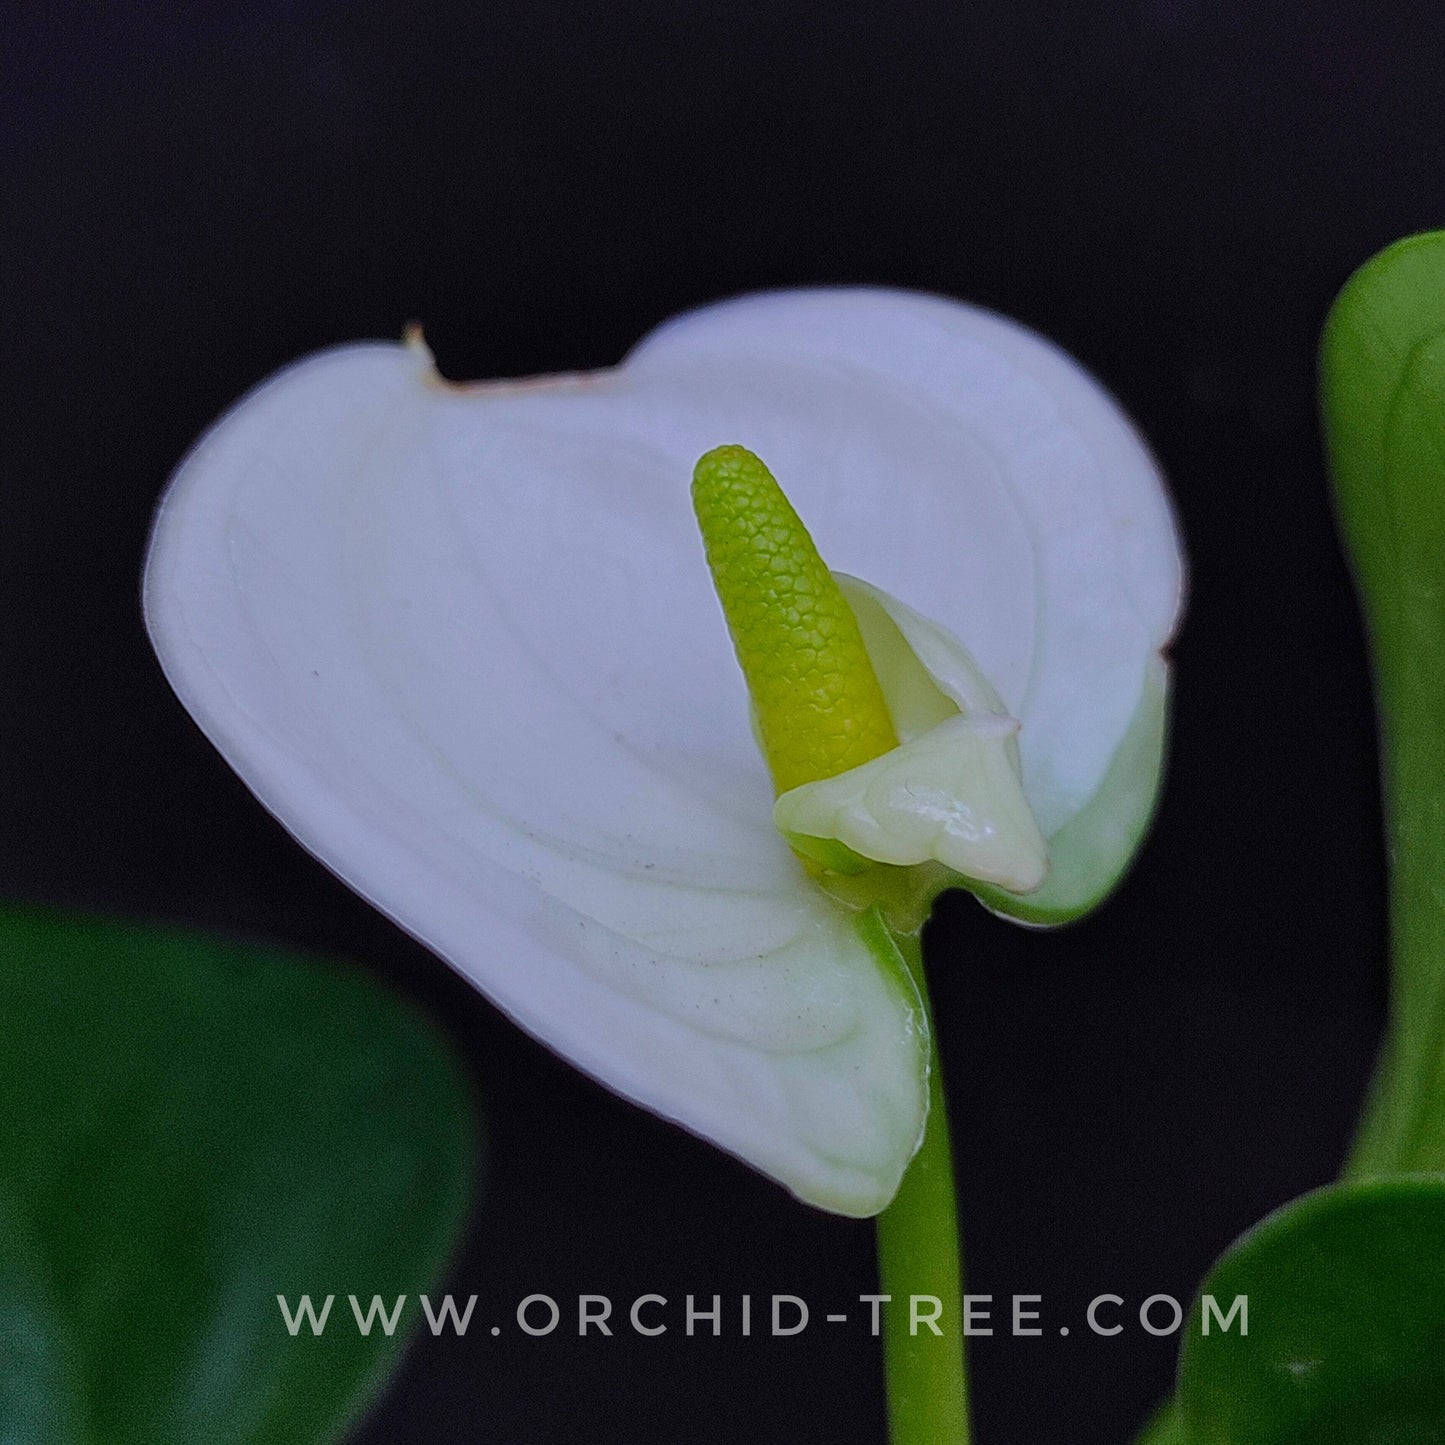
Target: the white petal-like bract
(462, 642)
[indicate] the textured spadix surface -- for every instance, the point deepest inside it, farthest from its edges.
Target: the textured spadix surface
(462, 642)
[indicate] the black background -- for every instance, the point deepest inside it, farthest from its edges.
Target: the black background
(1172, 189)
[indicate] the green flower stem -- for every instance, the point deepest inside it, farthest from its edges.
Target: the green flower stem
(919, 1254)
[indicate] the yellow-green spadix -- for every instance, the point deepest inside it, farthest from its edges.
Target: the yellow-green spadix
(462, 643)
(850, 792)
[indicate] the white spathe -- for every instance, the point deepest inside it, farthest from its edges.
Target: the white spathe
(462, 642)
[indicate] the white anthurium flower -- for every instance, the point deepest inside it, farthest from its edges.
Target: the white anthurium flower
(462, 642)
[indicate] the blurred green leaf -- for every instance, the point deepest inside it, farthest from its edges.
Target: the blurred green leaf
(39, 1391)
(1382, 385)
(1164, 1427)
(189, 1128)
(1346, 1341)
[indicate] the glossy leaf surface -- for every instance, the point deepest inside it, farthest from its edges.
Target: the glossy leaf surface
(1346, 1339)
